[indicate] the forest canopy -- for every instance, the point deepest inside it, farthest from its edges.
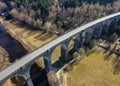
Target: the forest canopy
(62, 15)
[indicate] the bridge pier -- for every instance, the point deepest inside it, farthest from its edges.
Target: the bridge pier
(114, 22)
(106, 26)
(79, 40)
(82, 41)
(64, 50)
(88, 36)
(64, 54)
(48, 64)
(111, 24)
(48, 59)
(76, 44)
(117, 19)
(25, 72)
(29, 81)
(98, 32)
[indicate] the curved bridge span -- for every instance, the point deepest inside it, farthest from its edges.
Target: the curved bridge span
(23, 65)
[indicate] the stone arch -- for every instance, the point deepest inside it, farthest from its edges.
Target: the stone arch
(113, 22)
(17, 80)
(71, 45)
(106, 26)
(37, 71)
(112, 25)
(83, 35)
(57, 54)
(98, 30)
(48, 63)
(67, 50)
(79, 40)
(118, 21)
(89, 35)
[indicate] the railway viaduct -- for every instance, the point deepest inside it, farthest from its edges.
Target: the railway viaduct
(82, 34)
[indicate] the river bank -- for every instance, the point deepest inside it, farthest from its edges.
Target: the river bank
(6, 25)
(12, 46)
(31, 39)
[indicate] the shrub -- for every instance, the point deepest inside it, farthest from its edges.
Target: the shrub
(59, 24)
(81, 51)
(52, 79)
(100, 41)
(75, 55)
(14, 13)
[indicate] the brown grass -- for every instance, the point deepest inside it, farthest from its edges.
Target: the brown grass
(94, 71)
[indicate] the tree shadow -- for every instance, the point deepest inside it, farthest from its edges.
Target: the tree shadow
(113, 51)
(43, 32)
(110, 52)
(116, 62)
(43, 36)
(116, 65)
(32, 30)
(59, 63)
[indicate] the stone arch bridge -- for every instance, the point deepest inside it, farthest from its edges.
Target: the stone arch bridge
(82, 34)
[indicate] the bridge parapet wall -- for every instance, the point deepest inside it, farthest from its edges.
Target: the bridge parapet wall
(22, 72)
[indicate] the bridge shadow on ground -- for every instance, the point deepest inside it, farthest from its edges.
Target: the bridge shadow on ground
(38, 76)
(59, 63)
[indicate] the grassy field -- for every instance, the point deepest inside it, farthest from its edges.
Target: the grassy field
(33, 37)
(95, 70)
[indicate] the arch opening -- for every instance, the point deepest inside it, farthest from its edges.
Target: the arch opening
(71, 49)
(88, 37)
(115, 29)
(57, 55)
(38, 73)
(112, 25)
(71, 44)
(15, 81)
